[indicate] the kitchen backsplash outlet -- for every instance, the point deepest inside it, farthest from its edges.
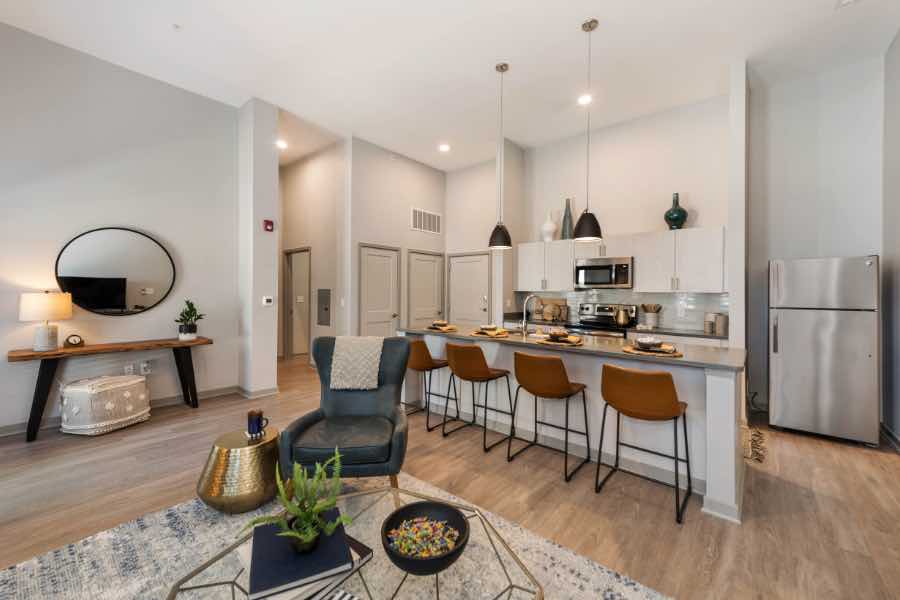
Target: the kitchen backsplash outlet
(679, 311)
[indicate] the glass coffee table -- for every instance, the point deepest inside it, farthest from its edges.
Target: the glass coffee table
(487, 568)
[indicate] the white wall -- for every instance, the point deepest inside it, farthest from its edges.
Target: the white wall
(384, 187)
(891, 237)
(86, 144)
(257, 249)
(815, 179)
(635, 168)
(471, 213)
(312, 192)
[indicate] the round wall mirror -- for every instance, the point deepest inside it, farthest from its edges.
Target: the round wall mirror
(115, 271)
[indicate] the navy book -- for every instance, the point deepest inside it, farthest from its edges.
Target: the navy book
(276, 567)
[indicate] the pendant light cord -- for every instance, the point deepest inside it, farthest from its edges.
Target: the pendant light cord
(500, 153)
(587, 164)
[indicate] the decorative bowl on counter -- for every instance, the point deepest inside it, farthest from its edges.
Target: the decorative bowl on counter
(647, 342)
(557, 333)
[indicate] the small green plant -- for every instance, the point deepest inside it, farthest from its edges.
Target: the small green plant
(189, 314)
(305, 499)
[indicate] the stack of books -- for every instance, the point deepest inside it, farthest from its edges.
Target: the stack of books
(278, 572)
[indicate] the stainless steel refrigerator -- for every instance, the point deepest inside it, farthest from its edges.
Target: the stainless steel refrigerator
(825, 346)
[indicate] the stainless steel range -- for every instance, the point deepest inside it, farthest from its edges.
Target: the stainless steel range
(600, 319)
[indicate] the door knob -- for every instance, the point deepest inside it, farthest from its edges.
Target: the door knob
(394, 316)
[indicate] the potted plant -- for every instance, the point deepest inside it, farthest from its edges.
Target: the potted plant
(187, 322)
(305, 499)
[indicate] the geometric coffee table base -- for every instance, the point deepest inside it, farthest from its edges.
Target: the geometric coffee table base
(488, 568)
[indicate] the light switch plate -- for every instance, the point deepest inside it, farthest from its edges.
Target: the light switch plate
(268, 300)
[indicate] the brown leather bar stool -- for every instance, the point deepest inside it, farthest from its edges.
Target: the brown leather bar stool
(648, 396)
(420, 360)
(467, 363)
(546, 377)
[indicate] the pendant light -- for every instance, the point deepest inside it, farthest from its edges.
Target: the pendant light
(587, 229)
(500, 239)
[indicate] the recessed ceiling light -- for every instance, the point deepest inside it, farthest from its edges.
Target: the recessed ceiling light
(444, 147)
(845, 3)
(585, 99)
(282, 145)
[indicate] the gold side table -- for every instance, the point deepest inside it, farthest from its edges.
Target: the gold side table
(240, 473)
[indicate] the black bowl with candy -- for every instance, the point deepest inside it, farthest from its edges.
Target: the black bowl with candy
(424, 538)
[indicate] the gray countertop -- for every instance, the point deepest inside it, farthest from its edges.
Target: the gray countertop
(517, 318)
(731, 359)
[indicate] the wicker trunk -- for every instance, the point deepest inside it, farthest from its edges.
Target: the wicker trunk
(102, 404)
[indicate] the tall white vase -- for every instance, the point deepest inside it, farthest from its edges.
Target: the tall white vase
(548, 228)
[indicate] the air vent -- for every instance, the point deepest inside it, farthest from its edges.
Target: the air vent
(423, 220)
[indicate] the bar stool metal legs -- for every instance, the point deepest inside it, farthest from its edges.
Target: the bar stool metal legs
(411, 409)
(680, 504)
(455, 397)
(510, 455)
(475, 406)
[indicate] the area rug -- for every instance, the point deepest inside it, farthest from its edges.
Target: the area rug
(144, 557)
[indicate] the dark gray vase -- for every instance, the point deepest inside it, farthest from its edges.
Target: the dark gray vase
(675, 216)
(567, 230)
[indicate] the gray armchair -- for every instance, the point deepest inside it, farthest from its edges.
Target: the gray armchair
(367, 426)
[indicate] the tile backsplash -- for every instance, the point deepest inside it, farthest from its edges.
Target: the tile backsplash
(679, 310)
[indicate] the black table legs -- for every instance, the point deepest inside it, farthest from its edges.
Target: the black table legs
(185, 366)
(46, 373)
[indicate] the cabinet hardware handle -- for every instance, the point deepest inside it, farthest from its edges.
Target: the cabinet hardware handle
(775, 336)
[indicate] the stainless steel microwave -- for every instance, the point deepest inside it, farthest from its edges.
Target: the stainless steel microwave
(607, 272)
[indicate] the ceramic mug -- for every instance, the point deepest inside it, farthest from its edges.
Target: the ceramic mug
(256, 424)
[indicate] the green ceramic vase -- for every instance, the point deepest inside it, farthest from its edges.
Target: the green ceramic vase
(675, 216)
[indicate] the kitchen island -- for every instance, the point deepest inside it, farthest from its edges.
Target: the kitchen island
(710, 380)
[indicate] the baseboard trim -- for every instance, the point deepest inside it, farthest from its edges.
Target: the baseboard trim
(257, 393)
(627, 464)
(54, 422)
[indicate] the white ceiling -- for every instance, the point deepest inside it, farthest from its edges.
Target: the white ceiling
(408, 74)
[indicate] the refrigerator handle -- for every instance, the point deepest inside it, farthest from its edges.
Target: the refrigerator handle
(775, 336)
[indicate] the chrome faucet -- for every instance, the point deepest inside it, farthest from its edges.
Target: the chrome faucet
(525, 313)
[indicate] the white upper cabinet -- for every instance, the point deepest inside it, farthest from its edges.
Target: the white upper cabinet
(588, 249)
(559, 269)
(654, 261)
(618, 246)
(683, 260)
(700, 260)
(545, 266)
(530, 267)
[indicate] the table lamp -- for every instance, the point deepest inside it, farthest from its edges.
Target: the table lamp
(46, 307)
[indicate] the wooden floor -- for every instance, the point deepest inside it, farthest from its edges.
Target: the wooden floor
(821, 518)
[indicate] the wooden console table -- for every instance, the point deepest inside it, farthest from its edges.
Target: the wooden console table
(50, 361)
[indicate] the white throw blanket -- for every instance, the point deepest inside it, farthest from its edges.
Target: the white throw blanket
(354, 365)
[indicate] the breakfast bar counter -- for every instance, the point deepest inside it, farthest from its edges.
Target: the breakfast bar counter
(710, 380)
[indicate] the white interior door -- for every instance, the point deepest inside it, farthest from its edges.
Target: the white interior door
(470, 284)
(379, 291)
(426, 289)
(299, 303)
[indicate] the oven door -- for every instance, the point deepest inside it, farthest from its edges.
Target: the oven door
(594, 273)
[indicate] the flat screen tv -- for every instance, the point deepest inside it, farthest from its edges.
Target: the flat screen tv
(96, 293)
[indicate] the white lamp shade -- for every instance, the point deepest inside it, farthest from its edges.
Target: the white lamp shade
(45, 306)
